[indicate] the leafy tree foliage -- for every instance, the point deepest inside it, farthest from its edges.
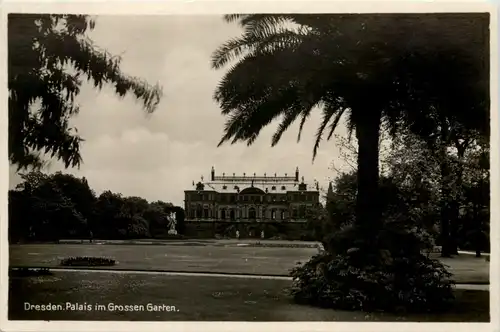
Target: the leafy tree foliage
(57, 206)
(49, 57)
(412, 184)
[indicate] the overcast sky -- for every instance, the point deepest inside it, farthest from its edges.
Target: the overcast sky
(158, 157)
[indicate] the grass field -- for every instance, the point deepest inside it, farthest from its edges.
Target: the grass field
(197, 298)
(268, 261)
(207, 258)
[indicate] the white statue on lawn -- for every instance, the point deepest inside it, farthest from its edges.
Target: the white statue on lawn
(172, 223)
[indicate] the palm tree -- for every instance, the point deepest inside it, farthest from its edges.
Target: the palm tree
(376, 71)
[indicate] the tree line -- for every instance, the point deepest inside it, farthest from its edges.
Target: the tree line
(50, 207)
(411, 192)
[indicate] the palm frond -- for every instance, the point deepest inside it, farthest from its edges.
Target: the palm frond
(289, 117)
(329, 110)
(230, 18)
(270, 40)
(351, 126)
(335, 123)
(305, 116)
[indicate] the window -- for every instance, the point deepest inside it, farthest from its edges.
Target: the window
(223, 214)
(273, 188)
(192, 211)
(294, 213)
(205, 213)
(224, 187)
(273, 214)
(252, 214)
(199, 211)
(282, 215)
(232, 215)
(283, 188)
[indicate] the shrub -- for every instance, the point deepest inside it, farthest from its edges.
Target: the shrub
(391, 275)
(88, 261)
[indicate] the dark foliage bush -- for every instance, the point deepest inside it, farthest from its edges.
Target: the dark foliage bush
(390, 275)
(88, 261)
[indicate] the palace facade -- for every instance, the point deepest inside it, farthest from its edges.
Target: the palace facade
(250, 199)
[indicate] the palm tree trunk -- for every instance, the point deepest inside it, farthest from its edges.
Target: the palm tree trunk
(368, 214)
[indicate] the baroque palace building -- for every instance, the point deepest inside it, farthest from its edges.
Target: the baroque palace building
(250, 199)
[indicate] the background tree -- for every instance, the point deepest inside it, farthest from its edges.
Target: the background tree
(79, 192)
(49, 57)
(415, 168)
(50, 207)
(156, 214)
(42, 208)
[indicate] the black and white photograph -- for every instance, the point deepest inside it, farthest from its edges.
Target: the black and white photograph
(265, 166)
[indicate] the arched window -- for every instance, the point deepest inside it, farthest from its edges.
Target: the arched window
(223, 214)
(205, 213)
(251, 213)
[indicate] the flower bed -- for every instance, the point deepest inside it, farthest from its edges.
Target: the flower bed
(88, 261)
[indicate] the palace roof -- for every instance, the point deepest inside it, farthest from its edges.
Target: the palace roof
(254, 184)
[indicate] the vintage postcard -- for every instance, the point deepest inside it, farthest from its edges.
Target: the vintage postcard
(249, 166)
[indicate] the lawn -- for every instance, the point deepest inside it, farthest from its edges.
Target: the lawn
(208, 258)
(221, 259)
(197, 298)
